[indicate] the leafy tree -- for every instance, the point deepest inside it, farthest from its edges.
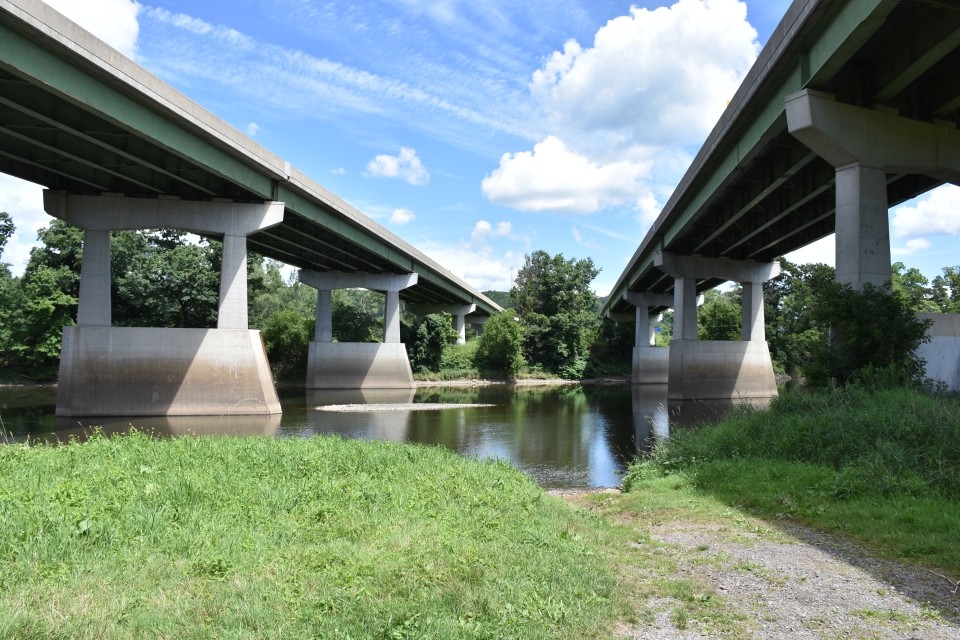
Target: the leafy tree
(287, 337)
(268, 292)
(946, 290)
(792, 330)
(8, 292)
(555, 302)
(356, 317)
(612, 348)
(502, 298)
(914, 287)
(874, 329)
(500, 346)
(719, 317)
(159, 279)
(433, 334)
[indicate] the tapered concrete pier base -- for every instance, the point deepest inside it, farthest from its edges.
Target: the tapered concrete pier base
(358, 365)
(718, 369)
(140, 371)
(651, 365)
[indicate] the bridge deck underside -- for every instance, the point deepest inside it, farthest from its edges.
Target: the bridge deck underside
(781, 197)
(51, 140)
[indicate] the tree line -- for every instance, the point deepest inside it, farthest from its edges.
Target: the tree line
(550, 324)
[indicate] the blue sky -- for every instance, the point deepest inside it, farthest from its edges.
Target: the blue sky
(477, 131)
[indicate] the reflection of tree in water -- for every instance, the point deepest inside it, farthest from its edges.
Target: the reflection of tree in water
(28, 409)
(555, 427)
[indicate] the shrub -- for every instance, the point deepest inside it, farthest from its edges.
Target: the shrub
(433, 334)
(500, 347)
(287, 336)
(874, 328)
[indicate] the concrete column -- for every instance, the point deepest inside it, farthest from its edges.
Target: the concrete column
(94, 303)
(460, 327)
(752, 324)
(863, 228)
(324, 330)
(232, 313)
(685, 309)
(391, 317)
(642, 326)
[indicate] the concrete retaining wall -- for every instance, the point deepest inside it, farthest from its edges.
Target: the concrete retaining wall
(942, 353)
(139, 371)
(717, 369)
(358, 365)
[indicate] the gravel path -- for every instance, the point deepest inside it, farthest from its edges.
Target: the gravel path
(404, 406)
(791, 582)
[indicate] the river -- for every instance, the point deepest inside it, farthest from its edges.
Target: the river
(568, 436)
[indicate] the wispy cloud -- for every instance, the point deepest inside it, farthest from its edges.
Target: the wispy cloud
(187, 48)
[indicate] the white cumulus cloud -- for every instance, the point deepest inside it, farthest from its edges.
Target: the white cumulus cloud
(553, 178)
(406, 165)
(113, 21)
(401, 216)
(252, 129)
(24, 202)
(913, 246)
(652, 77)
(938, 214)
(483, 229)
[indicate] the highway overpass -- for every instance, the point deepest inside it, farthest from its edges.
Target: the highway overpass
(117, 148)
(755, 191)
(78, 116)
(852, 107)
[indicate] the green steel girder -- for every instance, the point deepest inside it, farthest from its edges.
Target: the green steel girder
(28, 60)
(67, 125)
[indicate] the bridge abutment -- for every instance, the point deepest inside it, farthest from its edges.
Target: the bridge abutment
(143, 371)
(718, 369)
(358, 365)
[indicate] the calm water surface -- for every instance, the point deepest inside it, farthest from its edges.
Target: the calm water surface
(565, 437)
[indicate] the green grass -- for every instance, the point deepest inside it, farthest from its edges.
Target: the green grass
(879, 467)
(133, 536)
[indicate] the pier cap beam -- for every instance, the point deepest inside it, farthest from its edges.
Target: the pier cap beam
(330, 280)
(843, 134)
(118, 213)
(700, 267)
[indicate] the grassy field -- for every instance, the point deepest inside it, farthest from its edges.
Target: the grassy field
(879, 467)
(132, 536)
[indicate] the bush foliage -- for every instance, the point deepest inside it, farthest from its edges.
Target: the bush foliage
(500, 347)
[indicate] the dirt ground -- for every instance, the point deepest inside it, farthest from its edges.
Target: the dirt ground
(775, 582)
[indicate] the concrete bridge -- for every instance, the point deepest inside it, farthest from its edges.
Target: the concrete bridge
(851, 108)
(117, 148)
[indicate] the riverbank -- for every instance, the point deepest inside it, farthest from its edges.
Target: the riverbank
(132, 536)
(879, 468)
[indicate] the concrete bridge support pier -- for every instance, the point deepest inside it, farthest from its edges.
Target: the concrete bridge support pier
(476, 323)
(458, 313)
(358, 365)
(865, 146)
(650, 363)
(142, 371)
(718, 369)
